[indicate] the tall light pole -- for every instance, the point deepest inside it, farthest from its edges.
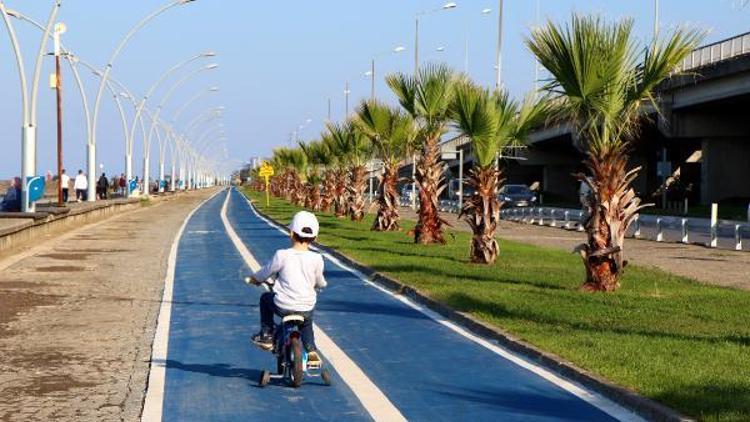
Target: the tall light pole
(91, 146)
(446, 6)
(59, 30)
(499, 50)
(371, 73)
(139, 110)
(28, 105)
(656, 20)
(155, 120)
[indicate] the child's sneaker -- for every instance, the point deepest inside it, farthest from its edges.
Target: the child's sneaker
(313, 359)
(263, 340)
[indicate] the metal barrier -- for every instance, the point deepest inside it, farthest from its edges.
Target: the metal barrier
(718, 51)
(662, 225)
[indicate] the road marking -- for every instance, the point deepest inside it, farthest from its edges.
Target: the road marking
(371, 397)
(154, 402)
(597, 400)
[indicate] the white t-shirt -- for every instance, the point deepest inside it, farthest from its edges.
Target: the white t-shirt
(81, 182)
(297, 273)
(65, 179)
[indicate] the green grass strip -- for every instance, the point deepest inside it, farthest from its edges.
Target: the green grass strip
(666, 337)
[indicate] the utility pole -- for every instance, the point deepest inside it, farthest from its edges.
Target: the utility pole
(329, 109)
(59, 30)
(499, 63)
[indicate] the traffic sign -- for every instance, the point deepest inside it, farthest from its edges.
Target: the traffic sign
(266, 170)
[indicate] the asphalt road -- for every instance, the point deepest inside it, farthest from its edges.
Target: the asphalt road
(390, 358)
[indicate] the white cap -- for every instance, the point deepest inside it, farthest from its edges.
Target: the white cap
(305, 225)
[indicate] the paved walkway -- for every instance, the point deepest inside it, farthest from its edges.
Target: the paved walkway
(77, 317)
(711, 266)
(387, 354)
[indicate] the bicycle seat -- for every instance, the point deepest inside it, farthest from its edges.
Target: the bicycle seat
(293, 318)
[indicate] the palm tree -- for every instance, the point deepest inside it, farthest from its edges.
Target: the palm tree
(603, 79)
(354, 148)
(427, 98)
(294, 163)
(315, 158)
(329, 161)
(393, 135)
(491, 121)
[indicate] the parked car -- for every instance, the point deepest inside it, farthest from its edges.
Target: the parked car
(408, 192)
(468, 191)
(517, 196)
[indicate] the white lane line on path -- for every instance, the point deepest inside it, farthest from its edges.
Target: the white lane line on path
(154, 403)
(371, 397)
(597, 400)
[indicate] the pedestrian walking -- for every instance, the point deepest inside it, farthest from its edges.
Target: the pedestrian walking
(65, 183)
(81, 186)
(103, 185)
(123, 185)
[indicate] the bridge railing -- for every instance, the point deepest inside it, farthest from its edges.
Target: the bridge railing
(718, 51)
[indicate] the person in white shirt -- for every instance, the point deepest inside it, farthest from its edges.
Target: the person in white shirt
(65, 183)
(298, 272)
(81, 186)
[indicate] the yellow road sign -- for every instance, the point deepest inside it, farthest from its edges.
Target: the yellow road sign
(265, 171)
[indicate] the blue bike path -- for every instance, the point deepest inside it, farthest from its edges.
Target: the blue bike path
(211, 368)
(427, 370)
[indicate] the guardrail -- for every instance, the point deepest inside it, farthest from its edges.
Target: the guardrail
(721, 50)
(656, 228)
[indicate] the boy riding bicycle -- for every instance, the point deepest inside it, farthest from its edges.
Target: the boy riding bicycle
(298, 272)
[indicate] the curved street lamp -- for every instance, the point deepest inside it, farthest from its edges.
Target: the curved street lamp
(28, 106)
(157, 114)
(91, 146)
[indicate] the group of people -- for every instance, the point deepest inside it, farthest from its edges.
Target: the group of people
(80, 185)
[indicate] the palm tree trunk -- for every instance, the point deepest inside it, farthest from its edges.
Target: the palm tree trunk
(482, 212)
(387, 216)
(329, 191)
(356, 190)
(613, 207)
(429, 228)
(341, 203)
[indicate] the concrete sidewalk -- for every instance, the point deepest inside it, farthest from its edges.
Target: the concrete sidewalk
(710, 266)
(77, 314)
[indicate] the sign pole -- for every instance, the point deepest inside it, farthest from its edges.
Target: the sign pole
(268, 192)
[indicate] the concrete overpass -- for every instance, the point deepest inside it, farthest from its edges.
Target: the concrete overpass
(702, 126)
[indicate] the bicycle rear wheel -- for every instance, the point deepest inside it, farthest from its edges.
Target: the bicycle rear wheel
(297, 372)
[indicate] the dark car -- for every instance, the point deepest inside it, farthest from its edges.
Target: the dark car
(468, 191)
(517, 196)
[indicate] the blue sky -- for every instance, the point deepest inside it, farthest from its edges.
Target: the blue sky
(280, 61)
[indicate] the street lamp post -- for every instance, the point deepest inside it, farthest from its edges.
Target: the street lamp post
(59, 30)
(499, 63)
(446, 6)
(163, 77)
(91, 146)
(28, 105)
(155, 120)
(371, 73)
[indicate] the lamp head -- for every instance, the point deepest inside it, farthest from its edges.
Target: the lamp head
(486, 11)
(209, 53)
(214, 89)
(399, 49)
(211, 66)
(451, 5)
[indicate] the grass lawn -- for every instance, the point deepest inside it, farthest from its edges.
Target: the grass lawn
(669, 338)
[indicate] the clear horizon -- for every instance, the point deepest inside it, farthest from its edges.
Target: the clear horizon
(279, 65)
